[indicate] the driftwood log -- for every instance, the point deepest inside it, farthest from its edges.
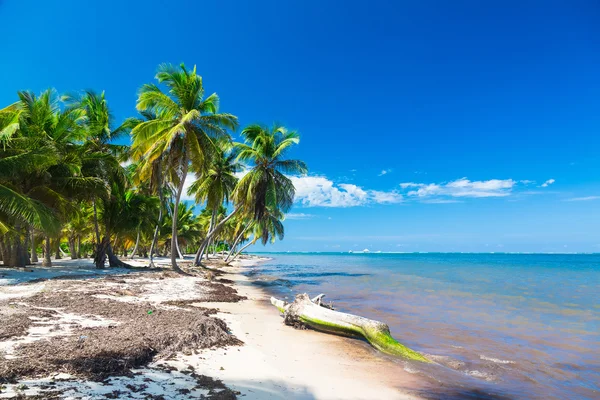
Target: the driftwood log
(321, 317)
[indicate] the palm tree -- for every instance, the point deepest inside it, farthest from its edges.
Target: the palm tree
(100, 156)
(267, 229)
(182, 133)
(216, 185)
(40, 166)
(266, 185)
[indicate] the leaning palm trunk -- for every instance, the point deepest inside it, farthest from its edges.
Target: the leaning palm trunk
(175, 211)
(235, 243)
(312, 313)
(213, 218)
(113, 260)
(200, 252)
(210, 234)
(243, 248)
(47, 250)
(135, 248)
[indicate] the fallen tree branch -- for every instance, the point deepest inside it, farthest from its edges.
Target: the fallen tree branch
(320, 317)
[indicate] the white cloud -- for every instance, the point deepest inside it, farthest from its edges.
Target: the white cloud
(384, 172)
(386, 197)
(298, 216)
(189, 179)
(318, 191)
(461, 188)
(587, 198)
(548, 183)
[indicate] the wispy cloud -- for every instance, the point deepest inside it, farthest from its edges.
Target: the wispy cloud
(384, 172)
(586, 198)
(462, 187)
(319, 191)
(298, 216)
(548, 183)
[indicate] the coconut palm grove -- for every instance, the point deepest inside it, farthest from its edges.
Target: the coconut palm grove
(70, 188)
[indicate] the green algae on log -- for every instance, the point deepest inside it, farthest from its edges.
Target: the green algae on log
(311, 313)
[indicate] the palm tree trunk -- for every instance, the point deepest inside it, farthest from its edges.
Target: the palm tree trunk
(100, 255)
(100, 250)
(179, 250)
(237, 240)
(212, 233)
(137, 242)
(213, 218)
(72, 247)
(3, 251)
(175, 211)
(78, 246)
(34, 257)
(25, 251)
(242, 249)
(57, 255)
(48, 250)
(160, 217)
(113, 260)
(200, 252)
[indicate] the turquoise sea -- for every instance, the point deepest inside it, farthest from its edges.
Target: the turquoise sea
(500, 326)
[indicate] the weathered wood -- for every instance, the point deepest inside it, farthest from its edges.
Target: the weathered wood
(317, 316)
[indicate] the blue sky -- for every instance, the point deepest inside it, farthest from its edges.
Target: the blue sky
(427, 126)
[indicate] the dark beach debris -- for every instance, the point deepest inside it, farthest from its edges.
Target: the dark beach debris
(15, 322)
(115, 350)
(133, 341)
(219, 292)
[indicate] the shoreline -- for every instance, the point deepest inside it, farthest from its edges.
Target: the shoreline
(300, 364)
(274, 361)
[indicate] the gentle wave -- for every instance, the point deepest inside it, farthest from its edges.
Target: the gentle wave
(496, 360)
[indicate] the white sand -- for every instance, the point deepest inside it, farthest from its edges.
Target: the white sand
(279, 362)
(276, 361)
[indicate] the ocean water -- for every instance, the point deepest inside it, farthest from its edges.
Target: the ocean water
(499, 326)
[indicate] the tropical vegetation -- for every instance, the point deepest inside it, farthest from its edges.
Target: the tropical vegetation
(72, 186)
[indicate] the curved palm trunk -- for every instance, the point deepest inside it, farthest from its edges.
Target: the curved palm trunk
(242, 249)
(210, 235)
(135, 248)
(47, 251)
(213, 218)
(179, 250)
(235, 243)
(113, 260)
(174, 246)
(201, 248)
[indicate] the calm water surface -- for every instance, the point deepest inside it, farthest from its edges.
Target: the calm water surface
(500, 326)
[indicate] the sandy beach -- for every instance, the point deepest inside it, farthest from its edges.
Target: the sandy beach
(255, 356)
